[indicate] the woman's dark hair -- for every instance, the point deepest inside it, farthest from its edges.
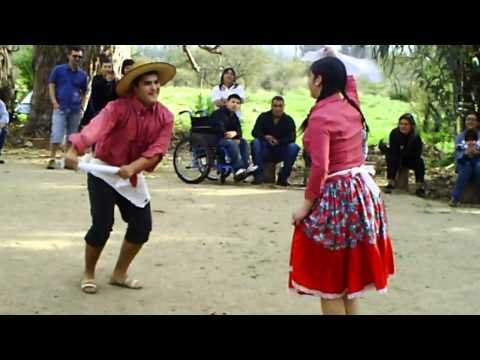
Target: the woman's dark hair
(334, 80)
(125, 63)
(409, 117)
(234, 75)
(471, 135)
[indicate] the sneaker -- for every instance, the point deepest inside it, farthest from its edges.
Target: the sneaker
(51, 164)
(252, 168)
(240, 175)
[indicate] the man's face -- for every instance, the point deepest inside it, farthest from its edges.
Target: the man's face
(74, 58)
(471, 122)
(233, 105)
(147, 90)
(278, 108)
(127, 68)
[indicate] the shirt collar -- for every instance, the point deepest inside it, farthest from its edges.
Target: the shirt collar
(224, 87)
(140, 108)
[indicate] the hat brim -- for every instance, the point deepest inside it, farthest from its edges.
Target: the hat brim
(165, 73)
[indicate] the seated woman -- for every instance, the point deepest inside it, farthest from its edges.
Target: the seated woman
(228, 86)
(405, 151)
(226, 125)
(467, 157)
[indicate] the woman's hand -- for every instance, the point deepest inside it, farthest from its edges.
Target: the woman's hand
(302, 212)
(329, 51)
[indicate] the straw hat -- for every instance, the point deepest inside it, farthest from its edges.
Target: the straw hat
(165, 73)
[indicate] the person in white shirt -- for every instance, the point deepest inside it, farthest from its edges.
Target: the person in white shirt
(228, 86)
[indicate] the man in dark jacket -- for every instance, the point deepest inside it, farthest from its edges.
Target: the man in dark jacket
(227, 126)
(275, 135)
(405, 151)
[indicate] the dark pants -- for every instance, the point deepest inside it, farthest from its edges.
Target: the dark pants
(3, 135)
(263, 152)
(415, 164)
(103, 199)
(239, 154)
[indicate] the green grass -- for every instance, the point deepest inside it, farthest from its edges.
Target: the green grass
(381, 112)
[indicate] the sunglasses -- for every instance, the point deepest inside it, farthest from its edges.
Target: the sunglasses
(77, 56)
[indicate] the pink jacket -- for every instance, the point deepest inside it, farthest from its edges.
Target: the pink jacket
(333, 139)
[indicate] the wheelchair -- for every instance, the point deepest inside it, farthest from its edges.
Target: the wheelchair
(197, 156)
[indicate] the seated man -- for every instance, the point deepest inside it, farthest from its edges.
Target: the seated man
(226, 125)
(405, 150)
(275, 135)
(467, 157)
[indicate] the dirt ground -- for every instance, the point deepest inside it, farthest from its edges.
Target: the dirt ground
(213, 249)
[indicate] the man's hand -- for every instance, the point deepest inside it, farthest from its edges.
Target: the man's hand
(71, 159)
(56, 106)
(126, 172)
(470, 150)
(271, 140)
(230, 134)
(2, 125)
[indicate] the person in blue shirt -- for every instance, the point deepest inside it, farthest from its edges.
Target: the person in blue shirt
(467, 157)
(4, 119)
(67, 86)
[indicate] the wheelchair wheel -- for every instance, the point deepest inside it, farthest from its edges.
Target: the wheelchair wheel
(192, 160)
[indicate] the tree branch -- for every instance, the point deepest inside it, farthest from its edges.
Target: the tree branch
(191, 59)
(215, 49)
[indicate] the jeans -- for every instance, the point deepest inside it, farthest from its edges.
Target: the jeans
(239, 154)
(263, 152)
(465, 173)
(3, 135)
(64, 120)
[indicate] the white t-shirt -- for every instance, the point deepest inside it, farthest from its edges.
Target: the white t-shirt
(223, 93)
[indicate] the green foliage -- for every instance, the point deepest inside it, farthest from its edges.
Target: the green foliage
(22, 61)
(204, 103)
(381, 112)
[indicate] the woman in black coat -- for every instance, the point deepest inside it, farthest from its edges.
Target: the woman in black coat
(405, 151)
(103, 91)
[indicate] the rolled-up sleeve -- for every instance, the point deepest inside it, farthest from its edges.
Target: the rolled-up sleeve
(98, 127)
(160, 146)
(319, 152)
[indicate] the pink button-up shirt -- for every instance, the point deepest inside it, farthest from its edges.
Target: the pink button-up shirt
(125, 130)
(333, 138)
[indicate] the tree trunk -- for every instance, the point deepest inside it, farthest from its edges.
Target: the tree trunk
(7, 81)
(45, 57)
